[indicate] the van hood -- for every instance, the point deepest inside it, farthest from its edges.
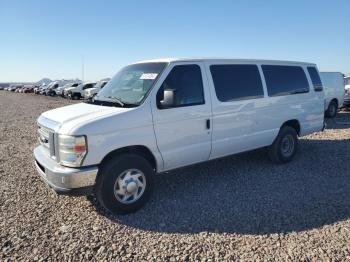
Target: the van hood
(64, 119)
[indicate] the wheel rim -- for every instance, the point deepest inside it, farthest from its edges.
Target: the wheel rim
(288, 145)
(129, 186)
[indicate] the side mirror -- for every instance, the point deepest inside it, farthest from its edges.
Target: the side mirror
(168, 100)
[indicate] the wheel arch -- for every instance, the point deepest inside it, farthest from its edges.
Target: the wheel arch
(140, 150)
(294, 123)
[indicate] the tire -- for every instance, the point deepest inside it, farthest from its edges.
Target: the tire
(285, 145)
(331, 111)
(75, 96)
(112, 172)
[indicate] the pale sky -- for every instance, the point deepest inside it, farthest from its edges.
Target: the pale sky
(48, 39)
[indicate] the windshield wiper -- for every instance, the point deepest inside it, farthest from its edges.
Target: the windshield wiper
(116, 99)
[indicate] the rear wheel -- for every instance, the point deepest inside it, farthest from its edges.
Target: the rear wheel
(124, 184)
(332, 109)
(285, 145)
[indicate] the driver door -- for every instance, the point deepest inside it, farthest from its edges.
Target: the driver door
(183, 131)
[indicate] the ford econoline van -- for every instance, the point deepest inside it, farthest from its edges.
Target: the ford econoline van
(159, 115)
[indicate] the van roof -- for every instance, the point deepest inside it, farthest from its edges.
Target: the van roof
(331, 72)
(220, 60)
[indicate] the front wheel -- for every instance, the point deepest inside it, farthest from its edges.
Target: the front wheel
(285, 145)
(75, 96)
(124, 184)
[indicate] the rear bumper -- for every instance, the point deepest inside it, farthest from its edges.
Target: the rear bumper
(64, 180)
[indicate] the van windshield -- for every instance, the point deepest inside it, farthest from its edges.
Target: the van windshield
(131, 84)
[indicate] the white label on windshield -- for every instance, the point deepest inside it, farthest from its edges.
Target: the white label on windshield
(148, 76)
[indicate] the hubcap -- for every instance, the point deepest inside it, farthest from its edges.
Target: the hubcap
(287, 148)
(129, 186)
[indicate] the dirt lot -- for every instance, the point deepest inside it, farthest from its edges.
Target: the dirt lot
(238, 208)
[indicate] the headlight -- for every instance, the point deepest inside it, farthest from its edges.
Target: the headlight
(72, 150)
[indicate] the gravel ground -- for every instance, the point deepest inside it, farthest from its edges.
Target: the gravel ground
(237, 208)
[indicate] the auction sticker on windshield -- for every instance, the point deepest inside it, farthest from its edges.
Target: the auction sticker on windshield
(148, 76)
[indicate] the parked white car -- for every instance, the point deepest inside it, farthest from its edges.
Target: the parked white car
(333, 84)
(78, 91)
(90, 92)
(38, 89)
(60, 90)
(159, 115)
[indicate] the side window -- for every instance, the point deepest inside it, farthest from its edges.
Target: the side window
(186, 82)
(315, 78)
(285, 80)
(236, 82)
(87, 86)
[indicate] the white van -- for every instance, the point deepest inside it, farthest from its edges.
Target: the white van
(90, 92)
(60, 89)
(159, 115)
(333, 84)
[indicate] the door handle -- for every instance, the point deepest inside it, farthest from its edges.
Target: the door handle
(208, 123)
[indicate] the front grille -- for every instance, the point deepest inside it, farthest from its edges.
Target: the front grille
(46, 139)
(44, 136)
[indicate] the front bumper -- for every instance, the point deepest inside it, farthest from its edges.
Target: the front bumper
(64, 179)
(87, 96)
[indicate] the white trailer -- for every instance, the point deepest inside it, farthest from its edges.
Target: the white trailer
(333, 84)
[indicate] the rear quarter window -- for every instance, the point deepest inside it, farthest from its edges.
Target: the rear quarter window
(236, 82)
(315, 78)
(285, 80)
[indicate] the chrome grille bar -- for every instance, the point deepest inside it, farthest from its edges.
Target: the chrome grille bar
(46, 138)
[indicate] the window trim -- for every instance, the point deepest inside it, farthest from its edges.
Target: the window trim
(241, 98)
(287, 93)
(160, 107)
